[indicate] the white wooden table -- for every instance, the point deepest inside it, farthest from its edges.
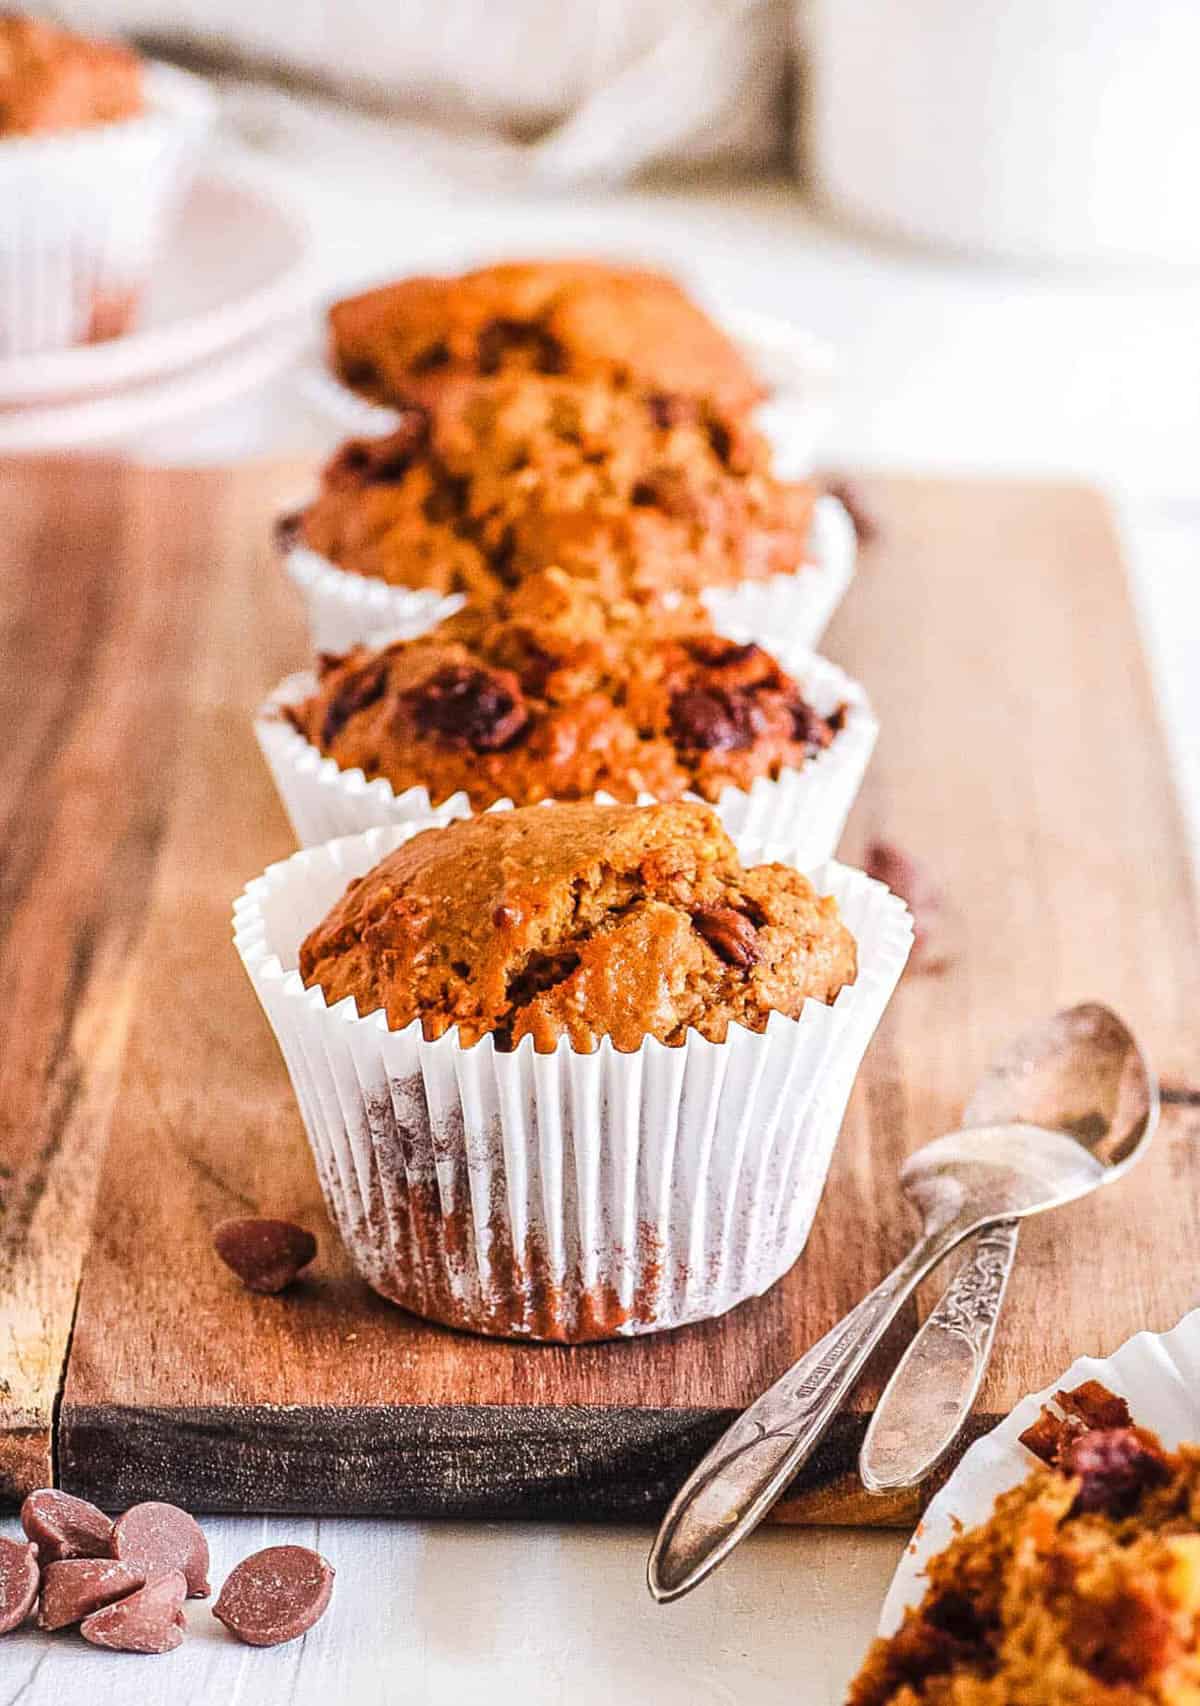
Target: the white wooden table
(942, 365)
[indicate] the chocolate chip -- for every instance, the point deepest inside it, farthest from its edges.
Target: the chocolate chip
(18, 1582)
(729, 934)
(154, 1537)
(360, 689)
(670, 490)
(289, 531)
(275, 1595)
(65, 1527)
(667, 410)
(1121, 1640)
(935, 931)
(712, 720)
(1115, 1467)
(810, 727)
(432, 357)
(266, 1255)
(716, 652)
(857, 505)
(379, 461)
(149, 1620)
(73, 1588)
(501, 337)
(464, 706)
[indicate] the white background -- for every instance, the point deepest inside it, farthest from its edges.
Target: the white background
(942, 365)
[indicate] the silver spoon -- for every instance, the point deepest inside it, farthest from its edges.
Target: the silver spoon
(960, 1184)
(1080, 1072)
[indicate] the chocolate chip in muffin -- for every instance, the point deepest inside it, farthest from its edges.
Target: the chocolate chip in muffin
(1115, 1466)
(354, 694)
(479, 708)
(729, 934)
(669, 409)
(501, 338)
(714, 721)
(380, 461)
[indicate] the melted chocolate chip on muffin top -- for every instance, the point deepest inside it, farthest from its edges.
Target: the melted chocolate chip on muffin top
(556, 694)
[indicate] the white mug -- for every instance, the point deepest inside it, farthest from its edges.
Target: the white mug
(1045, 129)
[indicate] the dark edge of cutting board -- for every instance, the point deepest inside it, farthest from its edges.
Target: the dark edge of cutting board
(579, 1463)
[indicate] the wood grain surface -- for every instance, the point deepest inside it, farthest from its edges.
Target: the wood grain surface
(1021, 759)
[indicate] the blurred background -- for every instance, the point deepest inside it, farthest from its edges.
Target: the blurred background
(979, 219)
(986, 210)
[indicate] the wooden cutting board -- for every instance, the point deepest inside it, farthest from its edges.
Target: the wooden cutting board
(142, 1098)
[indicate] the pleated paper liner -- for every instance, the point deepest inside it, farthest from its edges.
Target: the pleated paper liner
(803, 812)
(345, 609)
(1158, 1375)
(563, 1196)
(83, 215)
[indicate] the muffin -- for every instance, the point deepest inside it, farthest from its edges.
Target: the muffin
(642, 496)
(52, 80)
(649, 499)
(556, 694)
(1083, 1586)
(414, 340)
(94, 147)
(569, 1071)
(581, 922)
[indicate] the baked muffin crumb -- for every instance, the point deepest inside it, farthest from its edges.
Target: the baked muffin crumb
(54, 80)
(646, 497)
(580, 921)
(1081, 1589)
(413, 340)
(559, 694)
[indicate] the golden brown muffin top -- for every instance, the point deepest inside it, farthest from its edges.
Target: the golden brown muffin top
(406, 342)
(643, 496)
(1081, 1589)
(558, 694)
(580, 921)
(52, 80)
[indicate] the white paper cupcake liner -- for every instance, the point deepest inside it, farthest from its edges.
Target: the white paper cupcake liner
(82, 215)
(804, 812)
(1158, 1374)
(563, 1196)
(797, 366)
(345, 609)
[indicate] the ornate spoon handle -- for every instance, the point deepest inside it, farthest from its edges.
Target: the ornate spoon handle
(730, 1491)
(935, 1383)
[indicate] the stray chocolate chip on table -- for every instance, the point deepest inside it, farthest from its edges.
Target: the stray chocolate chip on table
(65, 1527)
(857, 505)
(154, 1538)
(275, 1595)
(18, 1582)
(935, 925)
(149, 1620)
(72, 1588)
(266, 1255)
